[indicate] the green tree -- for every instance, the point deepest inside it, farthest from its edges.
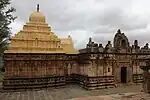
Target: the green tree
(1, 64)
(6, 18)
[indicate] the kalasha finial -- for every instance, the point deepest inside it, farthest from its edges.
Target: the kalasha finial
(38, 7)
(119, 31)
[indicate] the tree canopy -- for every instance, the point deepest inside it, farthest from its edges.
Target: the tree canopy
(6, 18)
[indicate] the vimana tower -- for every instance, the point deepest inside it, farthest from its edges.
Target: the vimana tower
(36, 56)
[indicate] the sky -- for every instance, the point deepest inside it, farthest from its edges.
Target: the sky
(99, 19)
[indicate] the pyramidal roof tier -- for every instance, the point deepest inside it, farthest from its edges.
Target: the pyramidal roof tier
(37, 37)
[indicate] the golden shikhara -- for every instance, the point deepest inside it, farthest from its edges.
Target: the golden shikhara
(37, 37)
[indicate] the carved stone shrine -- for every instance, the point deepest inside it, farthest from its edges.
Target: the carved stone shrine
(37, 58)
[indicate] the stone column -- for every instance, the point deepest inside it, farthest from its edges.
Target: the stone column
(69, 69)
(129, 74)
(145, 80)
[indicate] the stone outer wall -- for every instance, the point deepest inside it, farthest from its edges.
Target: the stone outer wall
(23, 71)
(87, 70)
(37, 70)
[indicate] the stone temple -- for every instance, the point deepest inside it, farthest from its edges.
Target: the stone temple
(37, 58)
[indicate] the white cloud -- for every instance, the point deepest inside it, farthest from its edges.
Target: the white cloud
(82, 19)
(16, 27)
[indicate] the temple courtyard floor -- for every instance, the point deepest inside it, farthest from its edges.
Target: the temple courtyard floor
(74, 92)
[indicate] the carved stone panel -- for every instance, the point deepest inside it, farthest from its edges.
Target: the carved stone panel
(117, 74)
(129, 74)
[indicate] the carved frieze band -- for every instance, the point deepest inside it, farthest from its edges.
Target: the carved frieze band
(39, 57)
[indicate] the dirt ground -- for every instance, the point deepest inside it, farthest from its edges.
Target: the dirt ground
(74, 91)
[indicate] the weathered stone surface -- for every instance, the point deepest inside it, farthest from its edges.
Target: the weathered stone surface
(36, 52)
(73, 91)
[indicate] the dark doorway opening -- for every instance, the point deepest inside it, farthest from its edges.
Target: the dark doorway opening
(123, 44)
(123, 74)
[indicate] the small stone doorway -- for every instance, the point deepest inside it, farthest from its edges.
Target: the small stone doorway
(123, 74)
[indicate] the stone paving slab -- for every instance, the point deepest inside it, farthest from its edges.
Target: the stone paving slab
(95, 98)
(124, 96)
(74, 91)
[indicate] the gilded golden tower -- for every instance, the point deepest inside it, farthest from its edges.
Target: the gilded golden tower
(37, 37)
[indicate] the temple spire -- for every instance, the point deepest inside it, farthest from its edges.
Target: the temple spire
(38, 7)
